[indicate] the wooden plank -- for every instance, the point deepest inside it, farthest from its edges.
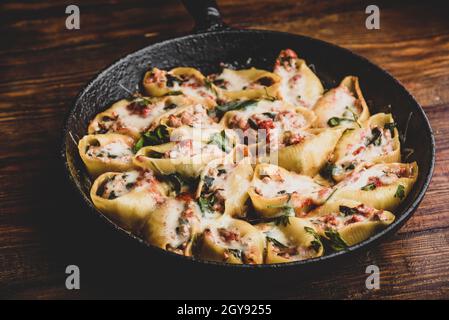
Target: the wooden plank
(43, 66)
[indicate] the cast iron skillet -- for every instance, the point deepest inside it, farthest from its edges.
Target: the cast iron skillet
(214, 42)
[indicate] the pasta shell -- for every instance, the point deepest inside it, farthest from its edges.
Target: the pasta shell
(112, 153)
(232, 241)
(299, 86)
(383, 197)
(173, 226)
(247, 84)
(189, 165)
(310, 155)
(344, 103)
(295, 240)
(229, 180)
(131, 209)
(188, 81)
(358, 223)
(352, 148)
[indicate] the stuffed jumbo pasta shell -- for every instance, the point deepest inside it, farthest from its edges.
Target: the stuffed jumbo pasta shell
(342, 106)
(183, 80)
(290, 239)
(230, 240)
(106, 152)
(272, 118)
(275, 190)
(299, 85)
(174, 225)
(133, 117)
(307, 154)
(224, 185)
(188, 122)
(186, 157)
(382, 186)
(347, 222)
(246, 84)
(377, 141)
(128, 197)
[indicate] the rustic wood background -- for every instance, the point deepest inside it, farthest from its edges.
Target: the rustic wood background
(43, 66)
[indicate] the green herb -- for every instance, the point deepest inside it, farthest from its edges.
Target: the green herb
(171, 80)
(170, 106)
(253, 124)
(276, 242)
(337, 243)
(328, 171)
(208, 85)
(336, 121)
(112, 195)
(368, 187)
(400, 192)
(155, 155)
(176, 181)
(350, 167)
(316, 242)
(283, 220)
(139, 144)
(206, 204)
(354, 115)
(390, 126)
(130, 185)
(270, 115)
(347, 211)
(208, 181)
(234, 105)
(174, 93)
(376, 138)
(159, 135)
(236, 253)
(221, 140)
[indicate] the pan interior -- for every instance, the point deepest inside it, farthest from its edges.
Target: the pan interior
(259, 49)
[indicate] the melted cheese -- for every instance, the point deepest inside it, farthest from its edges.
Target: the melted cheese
(233, 81)
(269, 187)
(117, 150)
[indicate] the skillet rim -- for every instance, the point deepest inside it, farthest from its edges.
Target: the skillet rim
(366, 244)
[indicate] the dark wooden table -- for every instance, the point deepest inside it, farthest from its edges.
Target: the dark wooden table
(43, 228)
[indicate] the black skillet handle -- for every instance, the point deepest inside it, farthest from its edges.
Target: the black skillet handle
(206, 15)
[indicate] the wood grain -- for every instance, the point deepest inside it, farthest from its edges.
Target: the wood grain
(43, 66)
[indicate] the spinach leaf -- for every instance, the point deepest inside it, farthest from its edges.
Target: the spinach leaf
(283, 220)
(376, 138)
(139, 144)
(316, 243)
(206, 203)
(208, 181)
(400, 192)
(221, 140)
(176, 181)
(253, 124)
(347, 211)
(368, 187)
(328, 171)
(234, 105)
(336, 121)
(337, 243)
(236, 253)
(276, 242)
